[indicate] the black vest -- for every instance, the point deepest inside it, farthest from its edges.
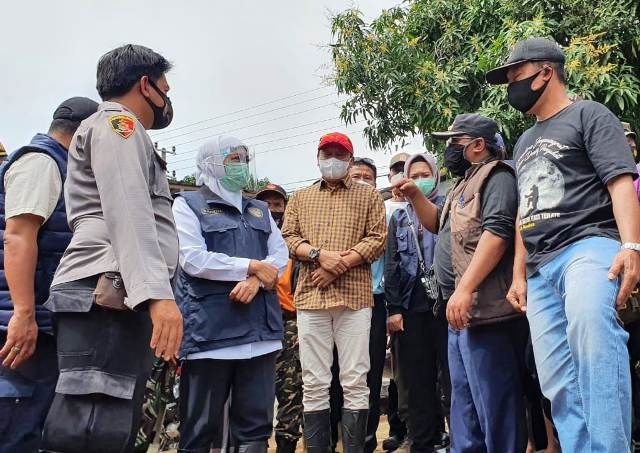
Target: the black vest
(53, 238)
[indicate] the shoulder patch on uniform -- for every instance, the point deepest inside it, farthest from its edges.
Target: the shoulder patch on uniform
(123, 125)
(256, 212)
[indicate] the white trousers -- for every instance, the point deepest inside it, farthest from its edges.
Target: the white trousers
(318, 330)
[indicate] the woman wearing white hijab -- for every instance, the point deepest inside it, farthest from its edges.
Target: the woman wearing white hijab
(231, 253)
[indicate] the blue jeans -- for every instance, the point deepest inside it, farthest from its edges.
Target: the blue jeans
(580, 347)
(25, 397)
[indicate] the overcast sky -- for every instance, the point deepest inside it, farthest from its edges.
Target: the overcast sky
(228, 56)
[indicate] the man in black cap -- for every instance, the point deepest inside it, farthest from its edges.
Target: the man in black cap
(36, 233)
(473, 263)
(577, 248)
(276, 197)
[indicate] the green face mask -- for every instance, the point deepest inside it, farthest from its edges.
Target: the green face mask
(426, 185)
(236, 176)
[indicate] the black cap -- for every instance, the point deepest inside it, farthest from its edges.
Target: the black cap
(532, 49)
(76, 109)
(272, 188)
(470, 124)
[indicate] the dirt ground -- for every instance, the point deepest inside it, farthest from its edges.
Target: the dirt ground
(383, 432)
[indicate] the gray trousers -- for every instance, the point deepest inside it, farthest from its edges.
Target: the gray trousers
(104, 360)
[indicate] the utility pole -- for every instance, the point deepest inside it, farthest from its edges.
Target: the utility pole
(163, 151)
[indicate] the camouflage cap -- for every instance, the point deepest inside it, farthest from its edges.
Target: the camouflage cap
(398, 158)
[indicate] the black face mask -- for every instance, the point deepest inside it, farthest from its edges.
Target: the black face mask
(521, 96)
(278, 217)
(454, 159)
(160, 118)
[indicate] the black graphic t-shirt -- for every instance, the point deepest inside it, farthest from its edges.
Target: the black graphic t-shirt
(563, 166)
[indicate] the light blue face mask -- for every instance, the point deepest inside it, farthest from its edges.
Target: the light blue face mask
(426, 185)
(236, 176)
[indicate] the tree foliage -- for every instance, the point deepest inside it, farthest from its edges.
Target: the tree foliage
(416, 66)
(261, 183)
(189, 180)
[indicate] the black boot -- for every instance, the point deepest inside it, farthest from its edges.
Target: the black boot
(392, 443)
(284, 445)
(317, 431)
(442, 440)
(253, 447)
(354, 430)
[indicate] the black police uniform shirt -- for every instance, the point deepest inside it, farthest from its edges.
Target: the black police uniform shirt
(563, 166)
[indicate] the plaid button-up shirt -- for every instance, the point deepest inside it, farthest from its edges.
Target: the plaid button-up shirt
(348, 216)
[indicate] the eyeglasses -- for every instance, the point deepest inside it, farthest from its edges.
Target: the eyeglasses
(456, 140)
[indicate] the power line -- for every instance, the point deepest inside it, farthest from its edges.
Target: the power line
(281, 139)
(246, 117)
(255, 124)
(299, 144)
(297, 182)
(263, 152)
(291, 128)
(298, 135)
(270, 133)
(275, 149)
(245, 109)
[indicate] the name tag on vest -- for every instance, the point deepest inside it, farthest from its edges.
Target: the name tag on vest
(211, 211)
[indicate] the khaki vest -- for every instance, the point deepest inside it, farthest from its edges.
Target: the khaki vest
(464, 205)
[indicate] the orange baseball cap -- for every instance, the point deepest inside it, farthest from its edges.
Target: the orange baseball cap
(336, 138)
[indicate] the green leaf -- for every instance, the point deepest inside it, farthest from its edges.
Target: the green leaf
(417, 65)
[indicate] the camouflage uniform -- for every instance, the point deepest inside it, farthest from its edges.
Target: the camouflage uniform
(289, 384)
(160, 420)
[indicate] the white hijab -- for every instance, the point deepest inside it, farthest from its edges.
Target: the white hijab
(210, 167)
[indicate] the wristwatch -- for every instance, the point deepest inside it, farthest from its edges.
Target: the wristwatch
(314, 255)
(631, 246)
